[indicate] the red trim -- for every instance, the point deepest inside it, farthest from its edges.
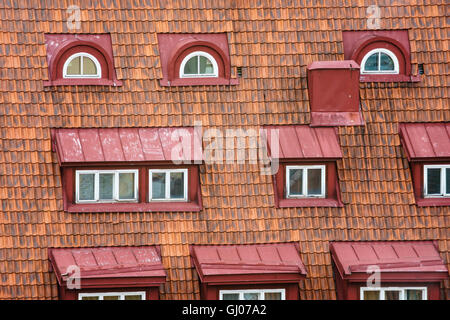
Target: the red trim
(332, 199)
(418, 185)
(194, 203)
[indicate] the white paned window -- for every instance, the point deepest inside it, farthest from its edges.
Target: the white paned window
(253, 294)
(106, 186)
(199, 64)
(380, 61)
(112, 296)
(393, 293)
(168, 184)
(305, 181)
(436, 181)
(82, 65)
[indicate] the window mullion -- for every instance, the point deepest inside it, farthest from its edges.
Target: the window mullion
(116, 186)
(97, 186)
(443, 181)
(168, 185)
(81, 65)
(305, 182)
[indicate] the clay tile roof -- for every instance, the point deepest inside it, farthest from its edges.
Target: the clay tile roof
(122, 144)
(261, 259)
(303, 142)
(108, 263)
(394, 256)
(426, 140)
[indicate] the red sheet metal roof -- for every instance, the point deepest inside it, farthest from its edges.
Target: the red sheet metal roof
(426, 140)
(304, 142)
(75, 146)
(222, 263)
(98, 264)
(388, 256)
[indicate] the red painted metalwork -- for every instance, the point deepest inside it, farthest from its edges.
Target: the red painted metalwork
(426, 141)
(358, 43)
(174, 47)
(109, 267)
(62, 46)
(124, 145)
(248, 266)
(304, 142)
(400, 263)
(333, 88)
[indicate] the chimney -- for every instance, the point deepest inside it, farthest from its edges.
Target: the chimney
(333, 88)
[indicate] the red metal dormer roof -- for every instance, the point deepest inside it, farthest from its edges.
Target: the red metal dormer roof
(426, 141)
(248, 263)
(78, 146)
(109, 266)
(394, 259)
(303, 142)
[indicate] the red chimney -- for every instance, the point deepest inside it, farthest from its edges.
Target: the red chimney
(333, 88)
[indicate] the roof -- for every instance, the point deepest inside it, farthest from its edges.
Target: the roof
(273, 41)
(388, 256)
(124, 145)
(303, 142)
(223, 263)
(143, 264)
(423, 141)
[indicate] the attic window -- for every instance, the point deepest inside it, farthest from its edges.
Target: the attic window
(198, 64)
(82, 65)
(305, 181)
(436, 181)
(379, 61)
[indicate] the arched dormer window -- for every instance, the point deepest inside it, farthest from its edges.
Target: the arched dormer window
(199, 64)
(82, 65)
(380, 61)
(80, 59)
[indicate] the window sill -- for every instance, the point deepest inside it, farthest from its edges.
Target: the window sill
(432, 202)
(83, 82)
(198, 82)
(311, 202)
(389, 78)
(135, 207)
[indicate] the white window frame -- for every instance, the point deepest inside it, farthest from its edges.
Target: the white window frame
(259, 291)
(82, 54)
(380, 50)
(167, 190)
(444, 181)
(305, 182)
(402, 295)
(215, 73)
(121, 295)
(97, 185)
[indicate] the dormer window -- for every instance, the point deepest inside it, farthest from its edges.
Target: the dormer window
(82, 65)
(305, 181)
(379, 61)
(437, 181)
(198, 64)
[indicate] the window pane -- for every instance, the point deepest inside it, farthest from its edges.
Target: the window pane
(133, 297)
(191, 67)
(206, 66)
(391, 295)
(295, 182)
(89, 298)
(158, 185)
(371, 295)
(434, 181)
(251, 296)
(230, 296)
(111, 298)
(106, 186)
(447, 178)
(177, 185)
(414, 294)
(272, 296)
(74, 67)
(89, 67)
(86, 186)
(372, 63)
(386, 62)
(314, 181)
(126, 185)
